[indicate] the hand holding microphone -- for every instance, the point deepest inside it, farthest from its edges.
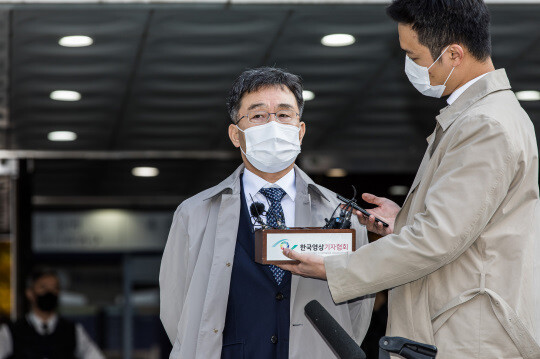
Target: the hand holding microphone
(386, 210)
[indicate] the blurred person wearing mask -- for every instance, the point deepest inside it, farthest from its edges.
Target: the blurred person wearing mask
(459, 255)
(216, 301)
(42, 333)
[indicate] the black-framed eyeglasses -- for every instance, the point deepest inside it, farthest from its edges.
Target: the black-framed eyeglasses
(286, 117)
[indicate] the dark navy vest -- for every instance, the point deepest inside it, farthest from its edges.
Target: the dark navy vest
(258, 310)
(28, 344)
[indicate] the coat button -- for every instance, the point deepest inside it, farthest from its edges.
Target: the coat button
(273, 339)
(228, 264)
(279, 296)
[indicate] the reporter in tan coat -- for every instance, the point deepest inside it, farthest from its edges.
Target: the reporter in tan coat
(459, 255)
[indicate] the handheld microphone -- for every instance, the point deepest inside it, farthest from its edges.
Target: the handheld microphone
(338, 339)
(343, 221)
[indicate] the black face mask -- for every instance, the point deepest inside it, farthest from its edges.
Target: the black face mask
(47, 302)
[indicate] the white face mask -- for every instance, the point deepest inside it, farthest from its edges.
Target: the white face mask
(419, 77)
(271, 147)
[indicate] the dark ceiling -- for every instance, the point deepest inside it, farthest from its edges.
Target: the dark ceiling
(154, 82)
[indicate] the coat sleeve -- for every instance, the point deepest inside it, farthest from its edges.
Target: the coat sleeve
(471, 181)
(173, 275)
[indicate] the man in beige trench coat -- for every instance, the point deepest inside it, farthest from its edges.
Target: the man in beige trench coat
(216, 302)
(458, 256)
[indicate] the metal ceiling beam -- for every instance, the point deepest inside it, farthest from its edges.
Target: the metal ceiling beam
(175, 155)
(236, 2)
(104, 201)
(119, 155)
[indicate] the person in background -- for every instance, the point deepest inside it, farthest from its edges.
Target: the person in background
(42, 333)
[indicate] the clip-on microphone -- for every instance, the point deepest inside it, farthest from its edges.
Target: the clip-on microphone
(257, 209)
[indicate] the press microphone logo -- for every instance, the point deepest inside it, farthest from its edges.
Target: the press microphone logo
(283, 244)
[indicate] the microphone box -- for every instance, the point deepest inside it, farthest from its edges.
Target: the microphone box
(269, 243)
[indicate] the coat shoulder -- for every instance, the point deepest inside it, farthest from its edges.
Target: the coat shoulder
(503, 108)
(501, 115)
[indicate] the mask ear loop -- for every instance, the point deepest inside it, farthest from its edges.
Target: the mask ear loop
(453, 68)
(442, 53)
(444, 84)
(239, 129)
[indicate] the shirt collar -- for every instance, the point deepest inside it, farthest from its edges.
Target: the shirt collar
(37, 322)
(493, 81)
(303, 183)
(462, 89)
(254, 183)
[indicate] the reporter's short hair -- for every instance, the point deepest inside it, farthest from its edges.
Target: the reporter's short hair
(440, 23)
(39, 273)
(255, 79)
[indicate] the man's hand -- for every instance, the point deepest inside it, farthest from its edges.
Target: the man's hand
(311, 265)
(385, 210)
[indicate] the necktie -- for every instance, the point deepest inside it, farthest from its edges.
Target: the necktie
(45, 328)
(274, 217)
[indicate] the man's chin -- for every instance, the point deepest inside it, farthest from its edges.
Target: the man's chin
(254, 169)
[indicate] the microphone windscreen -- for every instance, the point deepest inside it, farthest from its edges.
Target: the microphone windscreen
(256, 209)
(344, 346)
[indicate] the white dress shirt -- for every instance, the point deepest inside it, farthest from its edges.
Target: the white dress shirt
(453, 97)
(253, 184)
(84, 349)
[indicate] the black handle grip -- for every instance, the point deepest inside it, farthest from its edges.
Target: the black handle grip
(341, 342)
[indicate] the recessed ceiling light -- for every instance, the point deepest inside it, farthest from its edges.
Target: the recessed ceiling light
(398, 190)
(528, 95)
(62, 136)
(308, 95)
(336, 40)
(65, 95)
(145, 171)
(336, 172)
(76, 41)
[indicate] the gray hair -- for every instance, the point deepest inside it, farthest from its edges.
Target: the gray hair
(255, 79)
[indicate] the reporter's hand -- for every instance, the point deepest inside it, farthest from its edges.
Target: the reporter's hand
(386, 210)
(311, 265)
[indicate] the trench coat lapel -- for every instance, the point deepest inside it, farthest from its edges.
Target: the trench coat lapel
(432, 141)
(219, 278)
(399, 222)
(302, 217)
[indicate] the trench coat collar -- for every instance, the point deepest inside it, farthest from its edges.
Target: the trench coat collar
(492, 82)
(231, 184)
